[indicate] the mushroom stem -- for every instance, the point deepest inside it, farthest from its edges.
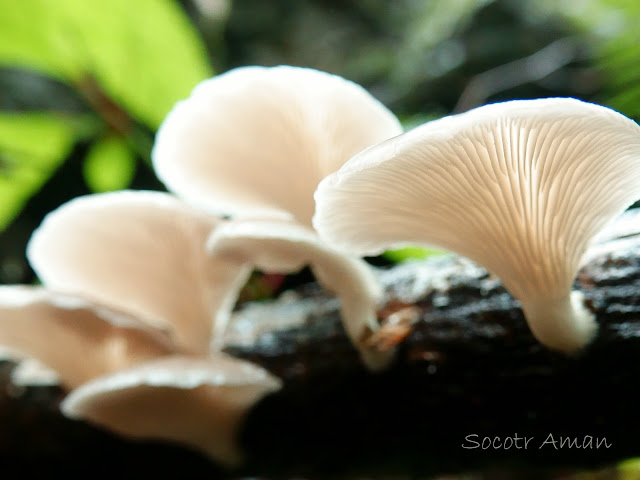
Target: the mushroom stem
(562, 323)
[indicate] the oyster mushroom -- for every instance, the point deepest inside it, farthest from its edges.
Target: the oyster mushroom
(201, 403)
(284, 246)
(75, 338)
(520, 187)
(142, 253)
(256, 141)
(126, 376)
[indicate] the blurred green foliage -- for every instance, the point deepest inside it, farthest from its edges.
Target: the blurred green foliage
(629, 470)
(410, 253)
(32, 145)
(127, 63)
(109, 165)
(144, 55)
(611, 26)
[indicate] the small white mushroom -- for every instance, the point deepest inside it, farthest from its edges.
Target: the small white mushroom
(76, 339)
(142, 253)
(286, 247)
(520, 187)
(128, 377)
(33, 373)
(258, 140)
(197, 402)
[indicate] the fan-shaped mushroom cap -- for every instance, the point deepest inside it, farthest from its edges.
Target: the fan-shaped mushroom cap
(520, 187)
(258, 140)
(77, 339)
(142, 253)
(281, 246)
(197, 402)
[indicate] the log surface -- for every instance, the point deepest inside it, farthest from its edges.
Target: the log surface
(468, 366)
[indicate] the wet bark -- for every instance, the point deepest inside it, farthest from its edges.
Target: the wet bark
(466, 368)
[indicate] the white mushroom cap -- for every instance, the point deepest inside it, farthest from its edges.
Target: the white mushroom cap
(519, 187)
(257, 140)
(197, 402)
(142, 253)
(280, 246)
(77, 339)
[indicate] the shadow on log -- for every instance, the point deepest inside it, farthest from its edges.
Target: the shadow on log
(468, 369)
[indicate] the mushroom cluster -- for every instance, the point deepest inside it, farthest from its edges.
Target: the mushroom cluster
(254, 143)
(521, 188)
(125, 320)
(139, 286)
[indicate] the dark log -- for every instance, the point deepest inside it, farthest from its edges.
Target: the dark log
(468, 366)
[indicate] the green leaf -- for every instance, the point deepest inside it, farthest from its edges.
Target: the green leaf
(410, 253)
(144, 54)
(32, 147)
(437, 20)
(629, 469)
(109, 165)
